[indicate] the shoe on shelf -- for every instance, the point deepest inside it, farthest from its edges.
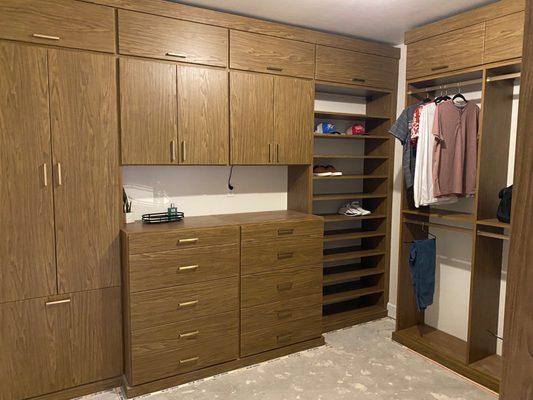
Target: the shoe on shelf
(333, 170)
(348, 210)
(357, 206)
(320, 170)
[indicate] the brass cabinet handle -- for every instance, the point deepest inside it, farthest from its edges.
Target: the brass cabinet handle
(188, 303)
(57, 302)
(284, 314)
(439, 67)
(59, 175)
(270, 153)
(177, 55)
(358, 80)
(284, 256)
(277, 153)
(277, 69)
(284, 338)
(188, 334)
(172, 150)
(183, 151)
(45, 176)
(190, 240)
(48, 37)
(284, 286)
(189, 360)
(188, 268)
(285, 231)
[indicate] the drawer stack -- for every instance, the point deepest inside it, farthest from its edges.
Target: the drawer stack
(183, 301)
(281, 284)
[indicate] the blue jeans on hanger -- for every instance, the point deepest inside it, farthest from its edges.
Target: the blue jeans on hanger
(422, 260)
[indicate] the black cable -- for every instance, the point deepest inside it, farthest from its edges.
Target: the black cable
(230, 186)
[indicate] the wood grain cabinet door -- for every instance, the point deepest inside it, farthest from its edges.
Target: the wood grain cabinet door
(203, 120)
(504, 38)
(86, 175)
(293, 120)
(27, 252)
(148, 112)
(251, 118)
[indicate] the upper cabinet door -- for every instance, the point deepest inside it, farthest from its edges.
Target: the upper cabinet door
(27, 252)
(172, 39)
(148, 112)
(261, 53)
(346, 66)
(203, 121)
(83, 109)
(251, 120)
(64, 23)
(454, 50)
(504, 38)
(293, 120)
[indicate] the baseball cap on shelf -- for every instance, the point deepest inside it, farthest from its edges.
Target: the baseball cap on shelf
(356, 129)
(326, 127)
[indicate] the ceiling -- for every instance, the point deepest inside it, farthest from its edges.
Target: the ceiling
(379, 20)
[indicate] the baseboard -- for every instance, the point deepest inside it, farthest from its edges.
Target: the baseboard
(82, 390)
(392, 310)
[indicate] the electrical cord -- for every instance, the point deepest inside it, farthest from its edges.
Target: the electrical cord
(230, 186)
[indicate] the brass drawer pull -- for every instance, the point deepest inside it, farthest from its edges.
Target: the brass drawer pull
(188, 268)
(45, 176)
(284, 286)
(284, 338)
(172, 150)
(285, 231)
(189, 360)
(188, 303)
(177, 55)
(439, 67)
(191, 240)
(183, 151)
(59, 175)
(284, 314)
(358, 80)
(277, 69)
(188, 335)
(57, 302)
(284, 256)
(48, 37)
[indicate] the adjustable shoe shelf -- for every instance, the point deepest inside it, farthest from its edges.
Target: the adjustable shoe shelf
(356, 249)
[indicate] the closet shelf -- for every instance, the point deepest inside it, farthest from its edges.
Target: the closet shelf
(350, 157)
(442, 214)
(332, 279)
(342, 218)
(349, 234)
(437, 225)
(349, 116)
(343, 319)
(347, 196)
(493, 222)
(331, 256)
(352, 137)
(349, 177)
(493, 235)
(350, 295)
(349, 89)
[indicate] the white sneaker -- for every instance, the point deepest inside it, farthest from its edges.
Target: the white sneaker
(361, 211)
(348, 210)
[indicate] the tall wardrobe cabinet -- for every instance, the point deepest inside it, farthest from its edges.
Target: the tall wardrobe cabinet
(59, 274)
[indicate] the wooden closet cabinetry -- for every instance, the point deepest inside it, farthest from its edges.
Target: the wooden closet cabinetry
(454, 50)
(271, 119)
(65, 23)
(173, 114)
(172, 39)
(504, 38)
(346, 66)
(261, 53)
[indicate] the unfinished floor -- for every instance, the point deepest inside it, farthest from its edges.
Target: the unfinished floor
(361, 362)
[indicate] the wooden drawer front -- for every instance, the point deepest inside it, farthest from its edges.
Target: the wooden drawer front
(454, 50)
(272, 255)
(281, 230)
(172, 240)
(345, 66)
(179, 267)
(255, 52)
(176, 348)
(504, 38)
(281, 335)
(181, 303)
(279, 286)
(280, 313)
(171, 39)
(59, 22)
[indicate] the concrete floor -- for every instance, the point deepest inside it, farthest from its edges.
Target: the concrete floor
(361, 362)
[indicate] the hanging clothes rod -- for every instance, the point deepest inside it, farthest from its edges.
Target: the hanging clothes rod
(437, 225)
(514, 75)
(455, 85)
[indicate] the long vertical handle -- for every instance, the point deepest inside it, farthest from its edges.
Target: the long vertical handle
(183, 151)
(172, 150)
(270, 153)
(59, 175)
(277, 153)
(45, 176)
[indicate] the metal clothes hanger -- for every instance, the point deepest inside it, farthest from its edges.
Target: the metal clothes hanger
(459, 95)
(431, 235)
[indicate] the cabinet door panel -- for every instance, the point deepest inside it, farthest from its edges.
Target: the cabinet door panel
(504, 38)
(148, 112)
(85, 152)
(251, 119)
(203, 126)
(293, 120)
(27, 253)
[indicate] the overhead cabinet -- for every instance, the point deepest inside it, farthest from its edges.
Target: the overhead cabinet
(504, 38)
(173, 114)
(271, 119)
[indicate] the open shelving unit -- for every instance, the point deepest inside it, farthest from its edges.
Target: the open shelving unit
(476, 357)
(356, 249)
